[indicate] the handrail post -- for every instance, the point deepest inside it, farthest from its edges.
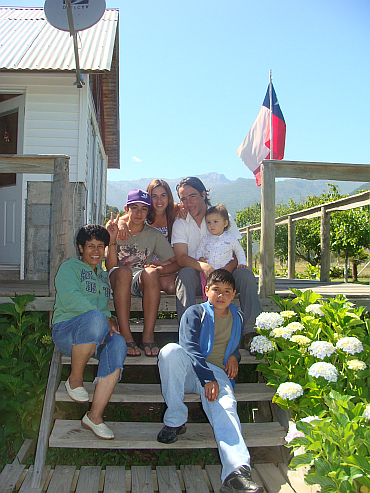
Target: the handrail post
(46, 418)
(59, 218)
(291, 247)
(267, 246)
(325, 245)
(249, 249)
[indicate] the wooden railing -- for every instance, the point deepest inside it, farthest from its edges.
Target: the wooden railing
(323, 211)
(58, 166)
(271, 169)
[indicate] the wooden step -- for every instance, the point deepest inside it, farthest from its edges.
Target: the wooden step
(246, 359)
(144, 479)
(161, 325)
(70, 434)
(131, 392)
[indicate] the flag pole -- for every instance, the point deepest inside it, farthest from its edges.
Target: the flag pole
(271, 112)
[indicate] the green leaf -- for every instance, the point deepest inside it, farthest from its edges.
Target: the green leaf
(301, 460)
(323, 481)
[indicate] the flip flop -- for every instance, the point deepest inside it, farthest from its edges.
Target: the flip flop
(149, 345)
(132, 345)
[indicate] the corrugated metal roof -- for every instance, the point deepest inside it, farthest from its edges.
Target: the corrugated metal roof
(29, 42)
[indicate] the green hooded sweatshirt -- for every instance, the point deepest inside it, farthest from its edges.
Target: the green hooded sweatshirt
(79, 290)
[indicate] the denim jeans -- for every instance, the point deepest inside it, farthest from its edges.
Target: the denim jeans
(178, 377)
(188, 285)
(92, 328)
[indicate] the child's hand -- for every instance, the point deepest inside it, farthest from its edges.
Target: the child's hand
(242, 266)
(112, 227)
(232, 366)
(211, 390)
(123, 232)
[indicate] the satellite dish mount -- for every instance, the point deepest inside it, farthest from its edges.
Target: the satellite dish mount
(79, 82)
(74, 16)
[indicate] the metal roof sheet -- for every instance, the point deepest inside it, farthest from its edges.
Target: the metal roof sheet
(29, 42)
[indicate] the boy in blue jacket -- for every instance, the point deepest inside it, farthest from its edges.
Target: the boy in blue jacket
(205, 361)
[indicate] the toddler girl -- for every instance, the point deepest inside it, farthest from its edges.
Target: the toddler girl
(217, 247)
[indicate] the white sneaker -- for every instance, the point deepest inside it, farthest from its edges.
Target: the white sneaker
(79, 394)
(101, 430)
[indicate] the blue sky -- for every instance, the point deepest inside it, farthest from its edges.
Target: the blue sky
(194, 73)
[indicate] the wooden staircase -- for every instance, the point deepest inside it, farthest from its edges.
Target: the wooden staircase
(142, 435)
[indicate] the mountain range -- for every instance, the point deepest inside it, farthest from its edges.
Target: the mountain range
(236, 194)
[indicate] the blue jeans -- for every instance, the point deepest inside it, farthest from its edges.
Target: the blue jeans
(178, 377)
(92, 328)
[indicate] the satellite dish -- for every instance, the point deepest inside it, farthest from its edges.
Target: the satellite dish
(85, 13)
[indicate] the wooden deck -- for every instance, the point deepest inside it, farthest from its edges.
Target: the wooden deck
(143, 479)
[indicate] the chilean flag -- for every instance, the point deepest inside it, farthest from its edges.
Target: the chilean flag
(256, 146)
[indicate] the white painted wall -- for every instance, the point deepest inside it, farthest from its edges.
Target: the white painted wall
(58, 117)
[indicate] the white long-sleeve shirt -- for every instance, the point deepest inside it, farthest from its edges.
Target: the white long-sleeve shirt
(218, 250)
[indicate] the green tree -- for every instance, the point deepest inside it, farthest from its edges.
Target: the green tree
(109, 209)
(349, 229)
(349, 235)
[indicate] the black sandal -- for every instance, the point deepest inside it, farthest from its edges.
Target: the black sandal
(132, 345)
(149, 345)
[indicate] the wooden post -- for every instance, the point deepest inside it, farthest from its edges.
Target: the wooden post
(291, 248)
(267, 246)
(325, 245)
(59, 218)
(249, 249)
(46, 419)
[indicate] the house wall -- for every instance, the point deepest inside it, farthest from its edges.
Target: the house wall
(59, 119)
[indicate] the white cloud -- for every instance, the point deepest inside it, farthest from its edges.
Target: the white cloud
(136, 159)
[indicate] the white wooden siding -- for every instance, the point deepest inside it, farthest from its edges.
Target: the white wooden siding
(58, 117)
(52, 121)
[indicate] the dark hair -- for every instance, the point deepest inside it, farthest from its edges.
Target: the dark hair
(92, 231)
(193, 181)
(170, 209)
(219, 209)
(221, 275)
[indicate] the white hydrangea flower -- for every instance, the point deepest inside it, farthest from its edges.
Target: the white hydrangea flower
(308, 419)
(321, 349)
(367, 412)
(299, 339)
(288, 314)
(293, 433)
(325, 370)
(350, 345)
(289, 390)
(294, 326)
(315, 309)
(284, 332)
(269, 320)
(356, 364)
(260, 344)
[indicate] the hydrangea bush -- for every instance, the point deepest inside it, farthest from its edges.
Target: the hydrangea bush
(317, 356)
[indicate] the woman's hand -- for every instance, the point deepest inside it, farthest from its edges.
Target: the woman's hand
(180, 212)
(113, 326)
